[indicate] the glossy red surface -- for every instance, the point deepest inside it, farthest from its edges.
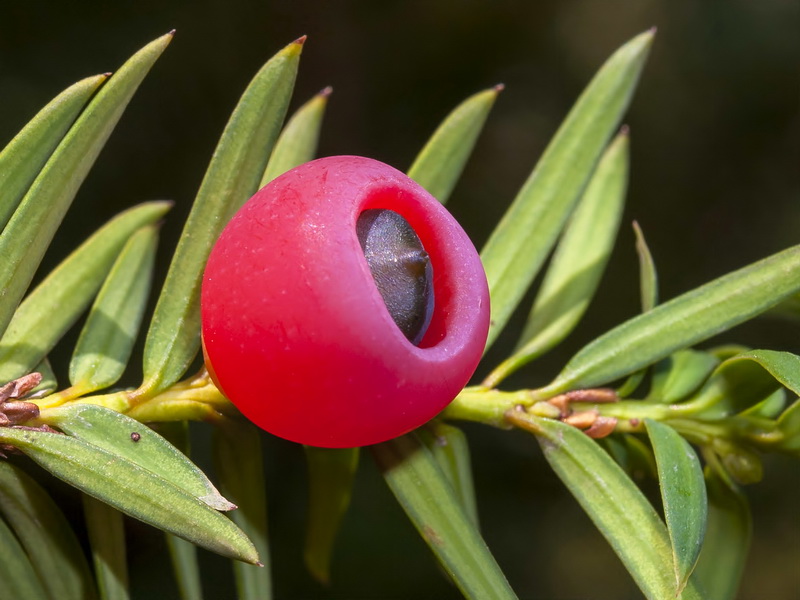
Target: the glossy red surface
(300, 339)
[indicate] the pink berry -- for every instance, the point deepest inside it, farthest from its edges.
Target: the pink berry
(296, 331)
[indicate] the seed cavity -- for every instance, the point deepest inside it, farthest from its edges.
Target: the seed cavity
(400, 267)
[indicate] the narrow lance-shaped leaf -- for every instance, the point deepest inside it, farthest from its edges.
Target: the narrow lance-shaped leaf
(440, 163)
(428, 498)
(133, 490)
(578, 263)
(727, 542)
(634, 456)
(449, 447)
(613, 502)
(57, 302)
(523, 239)
(680, 374)
(26, 154)
(107, 338)
(297, 143)
(31, 228)
(683, 492)
(783, 366)
(186, 567)
(770, 407)
(331, 472)
(18, 580)
(134, 441)
(106, 529)
(744, 380)
(239, 463)
(648, 291)
(682, 322)
(182, 553)
(648, 277)
(46, 535)
(582, 254)
(231, 178)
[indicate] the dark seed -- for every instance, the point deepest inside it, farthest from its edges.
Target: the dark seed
(135, 436)
(400, 267)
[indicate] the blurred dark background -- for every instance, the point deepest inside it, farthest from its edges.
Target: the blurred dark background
(715, 153)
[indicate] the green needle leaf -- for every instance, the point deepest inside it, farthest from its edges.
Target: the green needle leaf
(132, 489)
(634, 456)
(648, 282)
(680, 375)
(581, 256)
(18, 580)
(648, 278)
(57, 302)
(182, 553)
(440, 163)
(25, 155)
(744, 380)
(578, 263)
(449, 447)
(105, 344)
(105, 526)
(46, 535)
(682, 322)
(297, 143)
(231, 178)
(186, 566)
(613, 502)
(239, 463)
(521, 242)
(31, 228)
(770, 407)
(426, 495)
(724, 554)
(331, 472)
(683, 492)
(783, 366)
(128, 438)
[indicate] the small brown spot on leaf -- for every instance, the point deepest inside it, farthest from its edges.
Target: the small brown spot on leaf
(430, 534)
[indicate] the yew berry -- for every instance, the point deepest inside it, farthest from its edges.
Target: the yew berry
(343, 305)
